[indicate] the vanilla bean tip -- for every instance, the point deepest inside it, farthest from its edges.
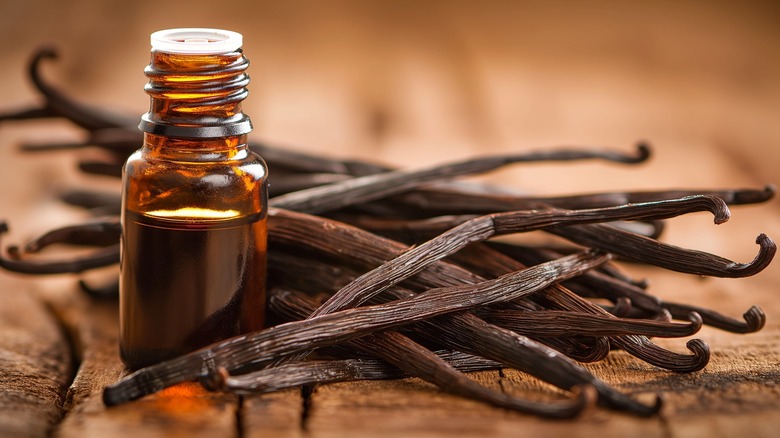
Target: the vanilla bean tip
(643, 150)
(585, 398)
(766, 253)
(765, 242)
(719, 209)
(140, 383)
(621, 402)
(754, 196)
(656, 407)
(769, 191)
(696, 322)
(44, 52)
(755, 319)
(701, 352)
(14, 252)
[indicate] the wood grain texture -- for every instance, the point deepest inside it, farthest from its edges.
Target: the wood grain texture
(35, 364)
(279, 414)
(408, 407)
(183, 410)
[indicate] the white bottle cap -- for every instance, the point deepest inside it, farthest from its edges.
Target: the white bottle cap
(196, 41)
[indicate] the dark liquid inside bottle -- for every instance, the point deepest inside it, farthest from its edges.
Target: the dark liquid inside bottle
(189, 283)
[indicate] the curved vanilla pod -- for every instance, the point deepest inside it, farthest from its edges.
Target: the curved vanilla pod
(56, 104)
(449, 200)
(97, 259)
(639, 248)
(754, 317)
(553, 323)
(376, 186)
(95, 233)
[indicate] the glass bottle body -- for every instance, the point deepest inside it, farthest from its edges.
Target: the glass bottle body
(193, 246)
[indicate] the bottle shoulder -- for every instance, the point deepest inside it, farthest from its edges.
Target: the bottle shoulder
(244, 161)
(152, 183)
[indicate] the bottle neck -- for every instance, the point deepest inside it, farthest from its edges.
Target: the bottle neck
(196, 149)
(196, 96)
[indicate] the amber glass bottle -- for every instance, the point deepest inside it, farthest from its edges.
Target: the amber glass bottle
(194, 203)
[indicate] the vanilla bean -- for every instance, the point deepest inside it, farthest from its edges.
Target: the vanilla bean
(551, 323)
(286, 158)
(621, 309)
(57, 104)
(642, 249)
(642, 348)
(295, 306)
(754, 317)
(583, 349)
(377, 186)
(639, 248)
(309, 275)
(101, 168)
(97, 233)
(283, 184)
(29, 114)
(729, 196)
(295, 374)
(93, 200)
(448, 200)
(99, 258)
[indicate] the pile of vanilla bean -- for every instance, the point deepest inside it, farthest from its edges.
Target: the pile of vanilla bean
(377, 273)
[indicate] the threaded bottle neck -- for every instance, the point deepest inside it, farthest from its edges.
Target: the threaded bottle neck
(194, 94)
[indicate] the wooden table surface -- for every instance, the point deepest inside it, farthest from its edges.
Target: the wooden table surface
(408, 84)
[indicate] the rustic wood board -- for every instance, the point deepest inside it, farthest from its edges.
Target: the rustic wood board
(738, 393)
(35, 364)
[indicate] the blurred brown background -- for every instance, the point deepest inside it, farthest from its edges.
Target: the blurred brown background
(413, 82)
